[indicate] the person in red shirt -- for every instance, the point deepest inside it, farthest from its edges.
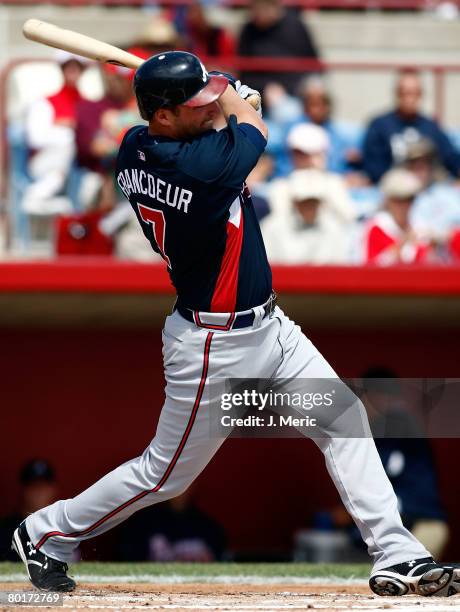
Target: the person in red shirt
(65, 101)
(389, 238)
(101, 126)
(205, 39)
(50, 134)
(91, 152)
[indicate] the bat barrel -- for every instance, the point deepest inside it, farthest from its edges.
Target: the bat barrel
(79, 44)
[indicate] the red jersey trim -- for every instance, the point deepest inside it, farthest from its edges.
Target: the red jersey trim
(225, 291)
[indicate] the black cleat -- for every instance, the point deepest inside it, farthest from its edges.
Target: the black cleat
(44, 572)
(417, 577)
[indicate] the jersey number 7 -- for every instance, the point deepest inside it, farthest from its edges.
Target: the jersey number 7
(157, 220)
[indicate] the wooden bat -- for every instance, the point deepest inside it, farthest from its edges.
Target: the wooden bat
(79, 44)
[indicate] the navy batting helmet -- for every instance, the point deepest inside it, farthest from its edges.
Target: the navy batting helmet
(172, 78)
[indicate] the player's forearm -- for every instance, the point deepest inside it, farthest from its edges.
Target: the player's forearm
(231, 104)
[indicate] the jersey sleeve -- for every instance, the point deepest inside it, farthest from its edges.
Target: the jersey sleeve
(225, 157)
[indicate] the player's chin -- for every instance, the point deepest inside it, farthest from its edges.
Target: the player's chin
(207, 125)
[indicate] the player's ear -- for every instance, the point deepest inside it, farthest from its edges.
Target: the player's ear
(165, 116)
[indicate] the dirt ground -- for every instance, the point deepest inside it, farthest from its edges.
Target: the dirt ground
(210, 597)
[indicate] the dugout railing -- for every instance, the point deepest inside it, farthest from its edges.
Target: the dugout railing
(104, 292)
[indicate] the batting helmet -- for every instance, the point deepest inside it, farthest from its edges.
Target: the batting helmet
(172, 78)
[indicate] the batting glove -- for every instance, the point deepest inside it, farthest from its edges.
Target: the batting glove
(245, 92)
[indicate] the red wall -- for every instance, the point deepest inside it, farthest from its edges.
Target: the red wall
(88, 400)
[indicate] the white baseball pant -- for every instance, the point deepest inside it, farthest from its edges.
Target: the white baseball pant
(274, 347)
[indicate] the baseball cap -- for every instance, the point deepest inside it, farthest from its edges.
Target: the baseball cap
(36, 469)
(307, 185)
(400, 184)
(308, 138)
(63, 57)
(159, 31)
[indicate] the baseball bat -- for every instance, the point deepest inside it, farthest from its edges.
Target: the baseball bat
(80, 44)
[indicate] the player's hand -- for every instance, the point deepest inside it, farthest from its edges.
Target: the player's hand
(246, 92)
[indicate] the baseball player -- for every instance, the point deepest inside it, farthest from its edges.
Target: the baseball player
(186, 184)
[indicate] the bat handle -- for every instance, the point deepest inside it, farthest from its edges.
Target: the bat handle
(255, 101)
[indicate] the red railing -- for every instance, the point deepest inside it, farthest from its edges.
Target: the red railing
(106, 275)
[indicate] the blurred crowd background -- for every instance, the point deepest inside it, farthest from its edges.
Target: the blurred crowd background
(358, 187)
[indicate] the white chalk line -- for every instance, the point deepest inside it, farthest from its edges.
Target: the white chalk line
(219, 602)
(179, 579)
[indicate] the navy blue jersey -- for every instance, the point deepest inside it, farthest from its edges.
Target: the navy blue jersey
(193, 206)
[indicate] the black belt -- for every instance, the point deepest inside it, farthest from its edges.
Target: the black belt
(235, 321)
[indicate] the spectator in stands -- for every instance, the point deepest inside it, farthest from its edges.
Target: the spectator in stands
(117, 96)
(389, 237)
(345, 140)
(389, 135)
(175, 530)
(274, 31)
(38, 489)
(101, 126)
(436, 211)
(308, 147)
(158, 35)
(344, 154)
(50, 135)
(281, 112)
(205, 39)
(303, 229)
(315, 105)
(119, 222)
(96, 128)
